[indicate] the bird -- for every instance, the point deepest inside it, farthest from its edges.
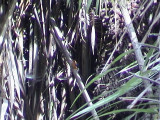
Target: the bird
(74, 64)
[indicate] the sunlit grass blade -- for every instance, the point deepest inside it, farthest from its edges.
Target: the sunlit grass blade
(97, 6)
(79, 4)
(104, 109)
(88, 4)
(93, 80)
(124, 89)
(128, 67)
(149, 110)
(104, 73)
(130, 116)
(68, 2)
(122, 55)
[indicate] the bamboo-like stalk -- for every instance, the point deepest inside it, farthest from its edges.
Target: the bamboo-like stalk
(59, 38)
(134, 39)
(136, 47)
(132, 34)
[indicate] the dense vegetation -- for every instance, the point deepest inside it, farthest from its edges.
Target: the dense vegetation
(79, 59)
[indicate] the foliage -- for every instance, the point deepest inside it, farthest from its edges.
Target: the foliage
(79, 59)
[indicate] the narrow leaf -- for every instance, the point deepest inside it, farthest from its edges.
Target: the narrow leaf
(68, 2)
(97, 6)
(88, 4)
(124, 89)
(149, 110)
(93, 80)
(93, 39)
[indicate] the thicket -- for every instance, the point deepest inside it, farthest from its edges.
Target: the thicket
(79, 59)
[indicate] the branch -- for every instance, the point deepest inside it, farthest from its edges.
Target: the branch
(132, 35)
(145, 78)
(134, 39)
(142, 99)
(136, 47)
(139, 97)
(59, 38)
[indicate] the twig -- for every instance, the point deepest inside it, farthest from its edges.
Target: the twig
(140, 96)
(107, 65)
(59, 38)
(134, 39)
(150, 28)
(147, 45)
(147, 7)
(136, 47)
(141, 99)
(154, 34)
(145, 78)
(156, 19)
(132, 34)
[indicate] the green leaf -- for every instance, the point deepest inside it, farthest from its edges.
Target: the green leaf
(132, 83)
(130, 66)
(104, 109)
(149, 54)
(104, 73)
(88, 4)
(156, 68)
(94, 79)
(79, 4)
(149, 110)
(68, 2)
(130, 116)
(97, 6)
(122, 55)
